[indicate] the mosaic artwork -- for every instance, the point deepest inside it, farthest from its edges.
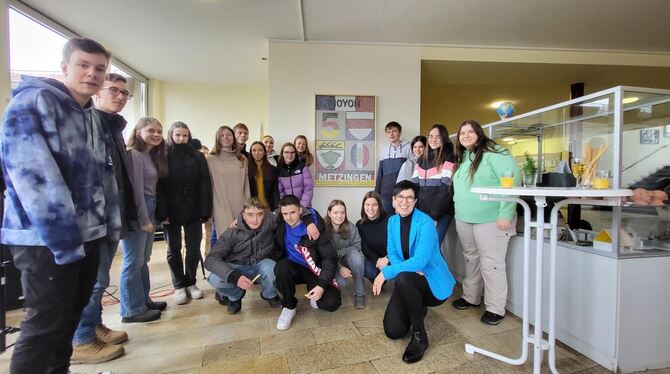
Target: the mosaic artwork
(345, 140)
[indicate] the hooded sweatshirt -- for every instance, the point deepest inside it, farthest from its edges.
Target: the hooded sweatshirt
(55, 165)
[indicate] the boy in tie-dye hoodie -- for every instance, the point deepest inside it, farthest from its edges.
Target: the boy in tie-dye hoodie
(61, 200)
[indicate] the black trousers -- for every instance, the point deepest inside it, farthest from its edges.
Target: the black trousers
(407, 306)
(183, 276)
(288, 274)
(55, 296)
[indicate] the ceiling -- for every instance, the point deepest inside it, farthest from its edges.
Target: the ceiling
(225, 41)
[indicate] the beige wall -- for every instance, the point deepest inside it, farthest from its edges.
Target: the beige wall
(452, 104)
(205, 107)
(298, 71)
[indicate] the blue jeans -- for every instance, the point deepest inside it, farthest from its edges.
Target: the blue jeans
(370, 270)
(355, 261)
(91, 316)
(134, 283)
(265, 267)
(442, 227)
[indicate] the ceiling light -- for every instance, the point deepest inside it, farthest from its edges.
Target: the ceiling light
(629, 100)
(496, 104)
(508, 139)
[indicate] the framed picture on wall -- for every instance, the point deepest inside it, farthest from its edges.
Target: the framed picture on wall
(649, 136)
(345, 136)
(666, 131)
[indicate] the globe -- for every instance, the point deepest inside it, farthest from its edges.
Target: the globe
(505, 110)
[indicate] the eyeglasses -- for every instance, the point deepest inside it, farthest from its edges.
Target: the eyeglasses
(115, 91)
(400, 198)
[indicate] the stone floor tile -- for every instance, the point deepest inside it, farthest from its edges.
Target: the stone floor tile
(274, 363)
(333, 333)
(361, 368)
(162, 363)
(232, 351)
(283, 340)
(338, 353)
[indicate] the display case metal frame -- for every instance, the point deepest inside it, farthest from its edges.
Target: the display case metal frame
(534, 124)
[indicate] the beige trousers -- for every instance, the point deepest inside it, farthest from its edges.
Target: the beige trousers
(485, 248)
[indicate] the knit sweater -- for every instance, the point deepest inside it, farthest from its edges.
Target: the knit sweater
(468, 206)
(344, 246)
(373, 238)
(230, 187)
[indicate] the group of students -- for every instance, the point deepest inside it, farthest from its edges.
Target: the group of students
(74, 189)
(445, 174)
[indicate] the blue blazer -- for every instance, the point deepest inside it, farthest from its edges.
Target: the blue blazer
(424, 254)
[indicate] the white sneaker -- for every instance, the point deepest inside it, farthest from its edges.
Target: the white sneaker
(285, 318)
(194, 291)
(312, 302)
(180, 296)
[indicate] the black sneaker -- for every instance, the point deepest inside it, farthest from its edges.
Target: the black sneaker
(146, 316)
(223, 300)
(234, 306)
(462, 304)
(156, 305)
(274, 302)
(491, 318)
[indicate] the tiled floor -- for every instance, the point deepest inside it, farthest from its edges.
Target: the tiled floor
(200, 337)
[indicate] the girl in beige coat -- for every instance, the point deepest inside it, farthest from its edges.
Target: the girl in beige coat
(230, 181)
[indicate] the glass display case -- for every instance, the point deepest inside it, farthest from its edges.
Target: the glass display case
(615, 138)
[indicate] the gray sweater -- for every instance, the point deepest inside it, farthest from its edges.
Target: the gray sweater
(344, 246)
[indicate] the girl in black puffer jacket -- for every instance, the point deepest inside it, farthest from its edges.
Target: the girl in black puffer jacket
(184, 200)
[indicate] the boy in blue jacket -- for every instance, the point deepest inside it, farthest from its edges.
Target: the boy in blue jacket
(56, 165)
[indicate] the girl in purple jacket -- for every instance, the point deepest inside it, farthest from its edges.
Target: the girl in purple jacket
(294, 176)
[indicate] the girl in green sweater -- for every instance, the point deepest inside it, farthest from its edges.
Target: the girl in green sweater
(484, 227)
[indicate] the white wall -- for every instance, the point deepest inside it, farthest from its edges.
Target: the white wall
(205, 107)
(298, 71)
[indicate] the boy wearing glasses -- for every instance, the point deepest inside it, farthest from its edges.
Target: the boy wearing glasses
(58, 209)
(93, 341)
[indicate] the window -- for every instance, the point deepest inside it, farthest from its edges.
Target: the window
(36, 48)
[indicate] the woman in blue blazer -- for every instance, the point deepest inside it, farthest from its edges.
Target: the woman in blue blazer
(422, 278)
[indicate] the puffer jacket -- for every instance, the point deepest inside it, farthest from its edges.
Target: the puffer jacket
(296, 179)
(243, 246)
(185, 195)
(435, 197)
(56, 166)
